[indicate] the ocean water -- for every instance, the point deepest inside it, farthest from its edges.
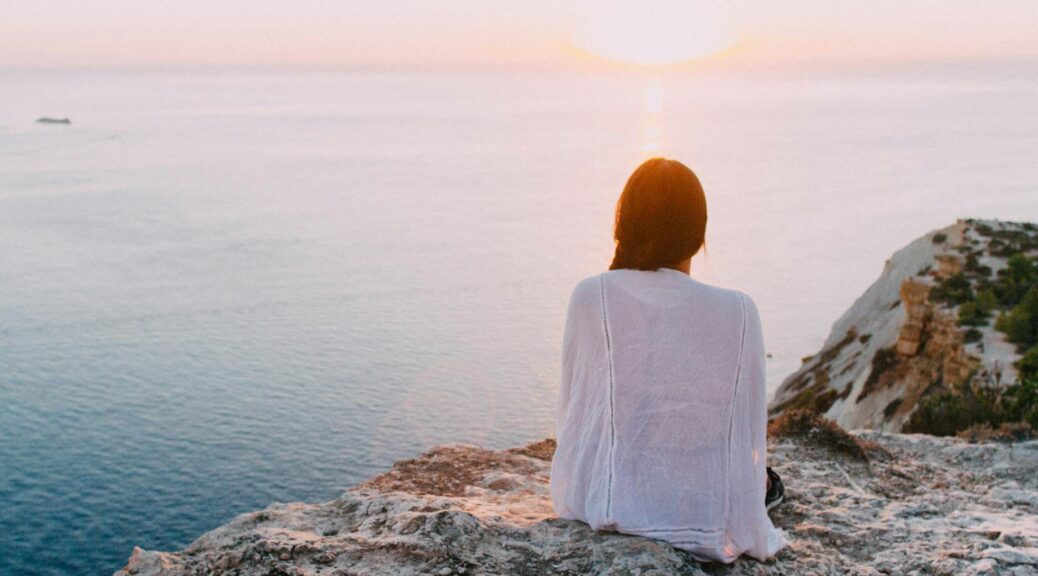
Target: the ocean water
(220, 289)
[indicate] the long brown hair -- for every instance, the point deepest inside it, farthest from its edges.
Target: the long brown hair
(660, 217)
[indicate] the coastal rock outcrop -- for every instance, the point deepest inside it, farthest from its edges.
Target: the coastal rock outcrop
(908, 336)
(865, 504)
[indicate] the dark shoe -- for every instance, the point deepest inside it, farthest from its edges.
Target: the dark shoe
(776, 493)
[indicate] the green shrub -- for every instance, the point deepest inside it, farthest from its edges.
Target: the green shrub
(1020, 324)
(947, 412)
(1020, 402)
(975, 268)
(1015, 281)
(1021, 270)
(953, 290)
(1028, 365)
(986, 301)
(1002, 322)
(970, 315)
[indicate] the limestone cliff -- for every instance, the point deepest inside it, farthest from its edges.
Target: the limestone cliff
(897, 343)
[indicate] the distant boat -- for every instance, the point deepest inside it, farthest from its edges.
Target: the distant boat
(46, 120)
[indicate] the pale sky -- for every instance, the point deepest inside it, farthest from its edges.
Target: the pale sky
(432, 33)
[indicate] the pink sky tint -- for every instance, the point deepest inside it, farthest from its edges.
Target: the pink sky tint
(428, 33)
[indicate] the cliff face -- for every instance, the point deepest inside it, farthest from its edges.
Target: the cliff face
(904, 504)
(897, 344)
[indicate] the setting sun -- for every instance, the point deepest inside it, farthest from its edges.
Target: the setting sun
(657, 33)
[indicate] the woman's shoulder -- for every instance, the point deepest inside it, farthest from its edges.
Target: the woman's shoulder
(585, 296)
(744, 300)
(593, 282)
(738, 305)
(723, 293)
(738, 300)
(587, 287)
(590, 288)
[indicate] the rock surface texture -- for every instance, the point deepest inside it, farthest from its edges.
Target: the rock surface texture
(906, 504)
(896, 344)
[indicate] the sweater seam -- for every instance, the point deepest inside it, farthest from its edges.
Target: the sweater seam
(612, 405)
(731, 412)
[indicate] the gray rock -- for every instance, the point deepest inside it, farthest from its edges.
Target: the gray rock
(465, 510)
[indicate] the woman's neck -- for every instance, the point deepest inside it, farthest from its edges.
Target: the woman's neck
(684, 266)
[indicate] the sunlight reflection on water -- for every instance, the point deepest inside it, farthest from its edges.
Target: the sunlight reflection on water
(652, 125)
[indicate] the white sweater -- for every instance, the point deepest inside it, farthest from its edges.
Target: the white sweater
(662, 414)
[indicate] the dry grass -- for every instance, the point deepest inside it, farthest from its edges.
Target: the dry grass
(1007, 432)
(541, 450)
(809, 426)
(448, 470)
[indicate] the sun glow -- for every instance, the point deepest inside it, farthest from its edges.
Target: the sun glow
(655, 32)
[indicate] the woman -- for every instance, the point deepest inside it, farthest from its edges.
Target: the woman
(662, 412)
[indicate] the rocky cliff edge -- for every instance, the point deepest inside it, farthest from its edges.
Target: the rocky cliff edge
(867, 504)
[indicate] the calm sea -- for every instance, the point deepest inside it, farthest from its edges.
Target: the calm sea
(224, 289)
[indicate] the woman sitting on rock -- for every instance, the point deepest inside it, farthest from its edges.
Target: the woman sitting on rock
(662, 411)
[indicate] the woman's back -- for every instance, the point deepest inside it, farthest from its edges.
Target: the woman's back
(662, 414)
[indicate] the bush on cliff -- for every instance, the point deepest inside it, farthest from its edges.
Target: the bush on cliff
(949, 412)
(1015, 281)
(803, 424)
(1014, 432)
(1028, 365)
(1020, 269)
(970, 315)
(977, 312)
(953, 291)
(1020, 324)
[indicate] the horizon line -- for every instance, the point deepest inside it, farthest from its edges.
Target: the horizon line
(590, 65)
